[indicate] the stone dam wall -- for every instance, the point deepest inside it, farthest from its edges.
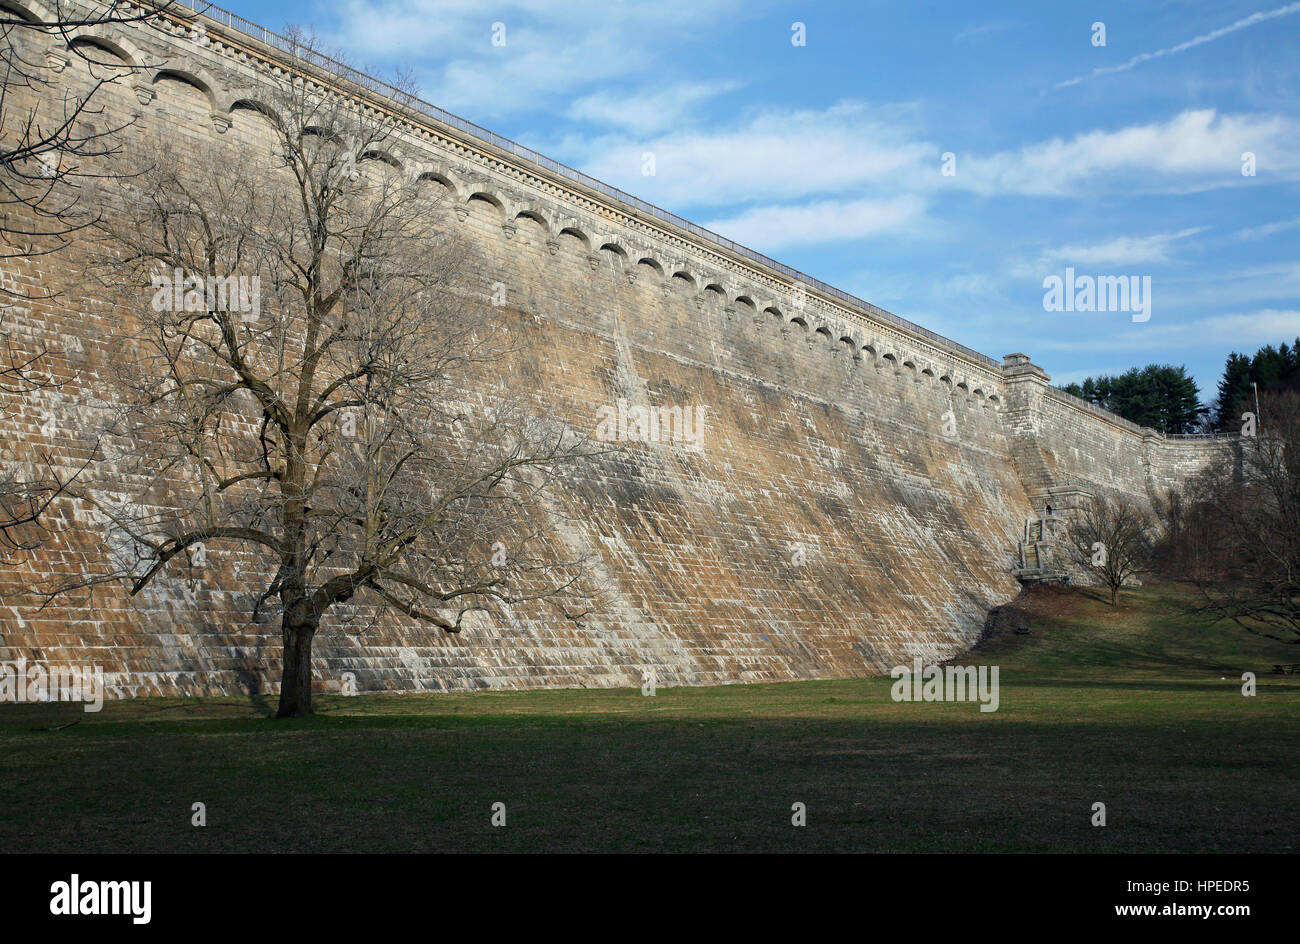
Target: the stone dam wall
(831, 523)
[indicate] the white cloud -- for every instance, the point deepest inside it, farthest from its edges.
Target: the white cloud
(963, 285)
(522, 76)
(385, 27)
(1266, 286)
(1267, 229)
(766, 156)
(1121, 251)
(646, 111)
(550, 49)
(1252, 20)
(1237, 330)
(861, 150)
(1197, 149)
(776, 227)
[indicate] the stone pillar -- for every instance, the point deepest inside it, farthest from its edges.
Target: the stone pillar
(1024, 384)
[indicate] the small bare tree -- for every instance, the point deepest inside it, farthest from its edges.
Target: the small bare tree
(1237, 535)
(315, 374)
(1113, 539)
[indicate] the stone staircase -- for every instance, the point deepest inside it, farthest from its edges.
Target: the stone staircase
(1042, 557)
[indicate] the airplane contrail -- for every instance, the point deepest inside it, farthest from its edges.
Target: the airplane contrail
(1241, 24)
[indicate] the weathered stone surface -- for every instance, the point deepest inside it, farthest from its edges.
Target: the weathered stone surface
(857, 499)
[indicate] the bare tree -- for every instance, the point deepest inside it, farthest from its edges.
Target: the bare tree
(51, 152)
(1113, 539)
(23, 502)
(50, 135)
(315, 376)
(1237, 532)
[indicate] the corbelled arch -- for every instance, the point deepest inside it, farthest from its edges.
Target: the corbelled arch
(243, 101)
(576, 229)
(194, 76)
(382, 156)
(325, 134)
(484, 195)
(441, 177)
(613, 245)
(535, 212)
(115, 43)
(714, 289)
(682, 274)
(33, 11)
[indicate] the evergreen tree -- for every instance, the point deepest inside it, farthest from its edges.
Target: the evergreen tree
(1090, 390)
(1160, 396)
(1273, 369)
(1233, 390)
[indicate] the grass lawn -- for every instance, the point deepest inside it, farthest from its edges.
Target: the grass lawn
(1132, 706)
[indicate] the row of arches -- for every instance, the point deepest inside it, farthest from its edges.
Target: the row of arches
(467, 187)
(632, 256)
(795, 316)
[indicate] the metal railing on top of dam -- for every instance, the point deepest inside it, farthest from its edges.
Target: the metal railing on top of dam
(286, 44)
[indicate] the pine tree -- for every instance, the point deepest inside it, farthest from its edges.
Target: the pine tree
(1160, 396)
(1272, 369)
(1233, 390)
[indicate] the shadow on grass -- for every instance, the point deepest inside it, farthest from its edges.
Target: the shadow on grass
(390, 784)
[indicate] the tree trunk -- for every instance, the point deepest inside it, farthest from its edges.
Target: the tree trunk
(1114, 592)
(295, 681)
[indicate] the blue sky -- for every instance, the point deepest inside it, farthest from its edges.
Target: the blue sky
(1122, 159)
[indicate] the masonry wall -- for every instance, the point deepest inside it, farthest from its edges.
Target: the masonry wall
(855, 501)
